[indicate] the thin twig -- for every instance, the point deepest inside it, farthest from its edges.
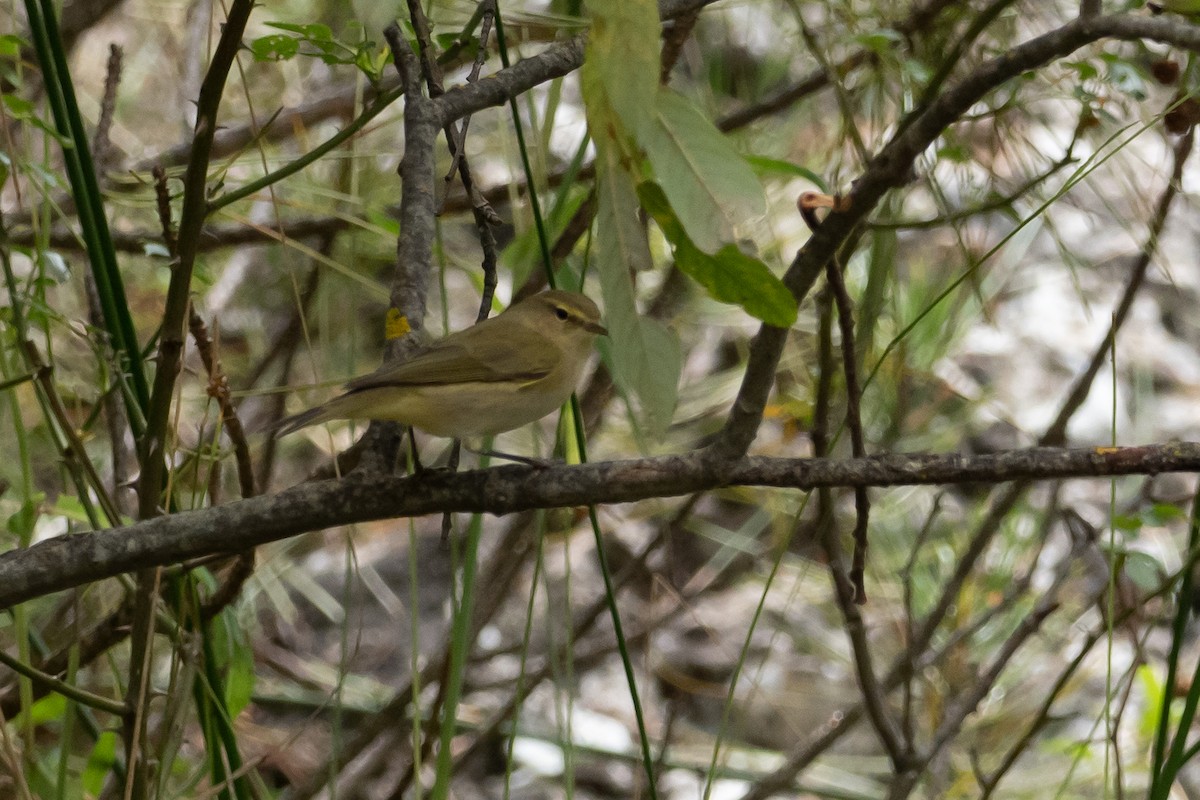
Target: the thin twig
(674, 35)
(963, 705)
(191, 222)
(845, 105)
(807, 205)
(101, 144)
(1055, 433)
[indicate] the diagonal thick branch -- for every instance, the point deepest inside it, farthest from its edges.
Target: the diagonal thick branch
(67, 561)
(892, 166)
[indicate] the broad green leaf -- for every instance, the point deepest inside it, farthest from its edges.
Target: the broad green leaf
(274, 47)
(100, 764)
(239, 679)
(775, 166)
(620, 67)
(22, 522)
(709, 184)
(620, 83)
(315, 32)
(55, 267)
(22, 109)
(881, 42)
(1162, 513)
(747, 281)
(70, 507)
(48, 709)
(1142, 568)
(660, 363)
(1126, 522)
(10, 46)
(616, 199)
(645, 357)
(19, 107)
(445, 41)
(730, 275)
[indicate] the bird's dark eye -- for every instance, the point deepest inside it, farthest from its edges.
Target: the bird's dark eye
(561, 313)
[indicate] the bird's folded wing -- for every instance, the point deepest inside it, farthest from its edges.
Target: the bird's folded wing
(488, 361)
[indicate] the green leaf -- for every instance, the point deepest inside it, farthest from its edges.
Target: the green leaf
(709, 184)
(1162, 513)
(1125, 76)
(954, 151)
(274, 47)
(1142, 568)
(1126, 522)
(19, 107)
(1153, 688)
(621, 63)
(370, 61)
(881, 42)
(100, 764)
(1084, 69)
(749, 282)
(774, 166)
(620, 82)
(235, 657)
(315, 32)
(10, 46)
(22, 109)
(644, 356)
(730, 275)
(652, 377)
(1188, 8)
(48, 709)
(22, 522)
(445, 41)
(54, 267)
(71, 508)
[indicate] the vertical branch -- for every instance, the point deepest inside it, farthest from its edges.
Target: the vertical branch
(862, 502)
(675, 34)
(456, 138)
(807, 204)
(849, 590)
(418, 207)
(101, 144)
(191, 222)
(170, 350)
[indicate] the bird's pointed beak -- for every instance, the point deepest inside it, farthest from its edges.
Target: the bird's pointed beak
(597, 328)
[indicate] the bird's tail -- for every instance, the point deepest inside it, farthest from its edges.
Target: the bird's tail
(297, 421)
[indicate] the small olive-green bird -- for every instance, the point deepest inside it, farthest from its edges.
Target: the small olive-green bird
(500, 374)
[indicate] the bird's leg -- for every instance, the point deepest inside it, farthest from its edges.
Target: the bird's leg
(452, 465)
(414, 454)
